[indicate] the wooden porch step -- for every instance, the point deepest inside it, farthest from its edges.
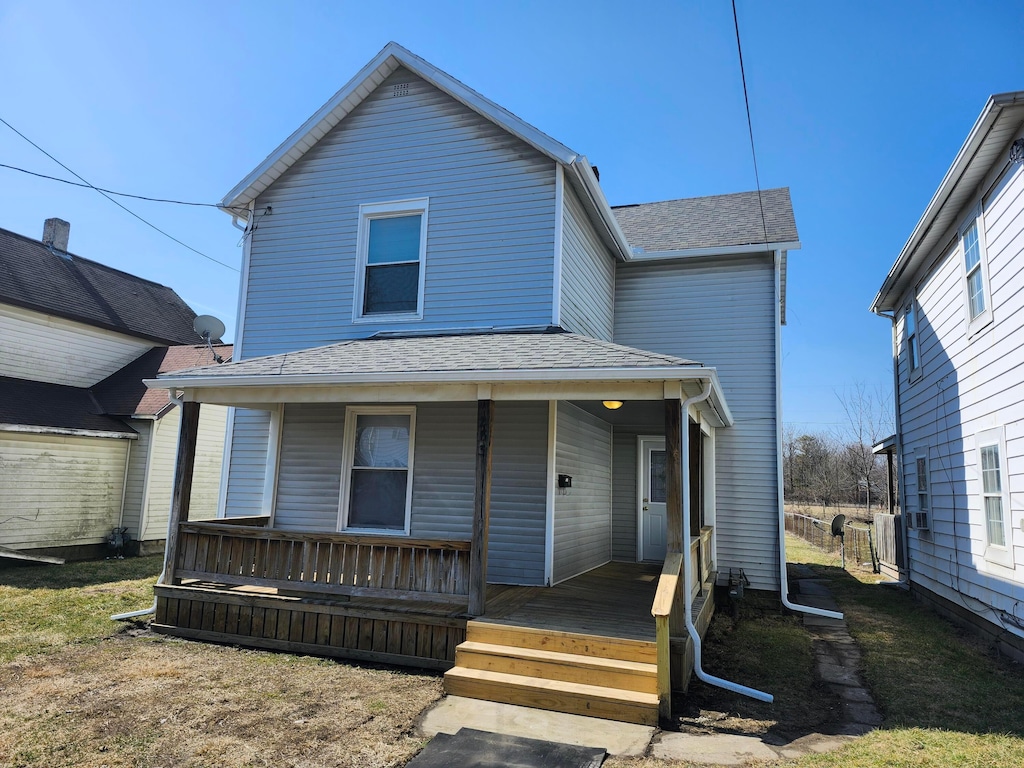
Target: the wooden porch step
(635, 676)
(593, 646)
(554, 695)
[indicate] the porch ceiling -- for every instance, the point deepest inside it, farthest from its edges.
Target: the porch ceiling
(483, 366)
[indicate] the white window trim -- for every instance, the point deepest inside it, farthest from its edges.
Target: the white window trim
(367, 212)
(913, 372)
(984, 319)
(1001, 555)
(921, 454)
(348, 458)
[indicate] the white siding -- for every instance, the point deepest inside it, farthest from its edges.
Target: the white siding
(624, 495)
(968, 385)
(588, 274)
(490, 238)
(444, 475)
(39, 347)
(721, 313)
(135, 480)
(58, 491)
(583, 514)
(205, 472)
(248, 469)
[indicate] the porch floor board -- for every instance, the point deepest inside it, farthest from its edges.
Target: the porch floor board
(613, 600)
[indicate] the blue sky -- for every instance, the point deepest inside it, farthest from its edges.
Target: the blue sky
(858, 107)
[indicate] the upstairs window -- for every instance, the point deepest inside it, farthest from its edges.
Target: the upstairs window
(924, 503)
(913, 350)
(391, 259)
(975, 275)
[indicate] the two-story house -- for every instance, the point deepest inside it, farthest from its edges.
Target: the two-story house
(84, 447)
(955, 303)
(486, 422)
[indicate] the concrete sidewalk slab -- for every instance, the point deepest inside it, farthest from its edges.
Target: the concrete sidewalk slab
(455, 712)
(712, 749)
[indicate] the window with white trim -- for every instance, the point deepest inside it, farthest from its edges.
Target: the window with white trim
(994, 503)
(913, 347)
(979, 311)
(376, 494)
(391, 257)
(924, 495)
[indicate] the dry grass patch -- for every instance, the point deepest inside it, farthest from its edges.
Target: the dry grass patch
(137, 701)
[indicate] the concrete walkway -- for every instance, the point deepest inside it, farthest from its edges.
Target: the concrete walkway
(837, 659)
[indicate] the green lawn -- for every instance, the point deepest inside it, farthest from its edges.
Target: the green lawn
(44, 608)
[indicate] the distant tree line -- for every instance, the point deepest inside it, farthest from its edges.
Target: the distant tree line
(837, 467)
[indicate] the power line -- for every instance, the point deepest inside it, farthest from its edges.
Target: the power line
(115, 202)
(108, 191)
(750, 124)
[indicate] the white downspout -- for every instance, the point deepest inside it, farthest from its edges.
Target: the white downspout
(687, 573)
(783, 576)
(159, 579)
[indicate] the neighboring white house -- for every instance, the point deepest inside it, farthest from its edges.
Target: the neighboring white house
(76, 461)
(450, 343)
(956, 299)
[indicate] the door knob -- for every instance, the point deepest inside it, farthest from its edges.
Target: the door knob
(646, 505)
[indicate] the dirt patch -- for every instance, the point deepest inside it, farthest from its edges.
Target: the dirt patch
(135, 700)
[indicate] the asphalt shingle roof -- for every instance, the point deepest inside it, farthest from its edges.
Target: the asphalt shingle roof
(39, 404)
(709, 222)
(123, 393)
(34, 277)
(448, 354)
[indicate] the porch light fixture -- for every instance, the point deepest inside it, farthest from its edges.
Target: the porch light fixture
(612, 405)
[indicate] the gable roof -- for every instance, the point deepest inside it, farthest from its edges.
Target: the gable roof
(36, 277)
(1000, 120)
(124, 394)
(390, 58)
(54, 406)
(714, 221)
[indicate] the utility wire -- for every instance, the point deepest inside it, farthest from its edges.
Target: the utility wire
(115, 202)
(108, 191)
(750, 124)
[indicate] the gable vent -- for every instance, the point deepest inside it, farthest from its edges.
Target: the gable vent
(400, 89)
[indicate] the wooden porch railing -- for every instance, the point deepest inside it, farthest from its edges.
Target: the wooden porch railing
(669, 605)
(329, 564)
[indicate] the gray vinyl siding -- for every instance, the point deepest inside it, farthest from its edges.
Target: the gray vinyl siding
(135, 478)
(248, 470)
(444, 476)
(491, 223)
(624, 495)
(583, 515)
(588, 274)
(967, 384)
(721, 312)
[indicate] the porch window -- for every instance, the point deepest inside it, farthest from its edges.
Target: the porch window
(391, 255)
(377, 487)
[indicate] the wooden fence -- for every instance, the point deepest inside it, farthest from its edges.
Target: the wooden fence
(328, 564)
(858, 538)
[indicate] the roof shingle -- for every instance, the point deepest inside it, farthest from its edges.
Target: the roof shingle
(709, 222)
(39, 404)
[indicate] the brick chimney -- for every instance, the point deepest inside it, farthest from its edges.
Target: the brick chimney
(56, 233)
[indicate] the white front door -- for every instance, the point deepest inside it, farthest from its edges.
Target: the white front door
(653, 536)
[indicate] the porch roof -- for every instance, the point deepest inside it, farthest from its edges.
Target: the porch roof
(552, 361)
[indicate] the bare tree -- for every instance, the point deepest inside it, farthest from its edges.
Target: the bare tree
(868, 420)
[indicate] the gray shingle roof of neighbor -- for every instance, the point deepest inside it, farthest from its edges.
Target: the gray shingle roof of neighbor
(709, 222)
(447, 354)
(40, 404)
(35, 277)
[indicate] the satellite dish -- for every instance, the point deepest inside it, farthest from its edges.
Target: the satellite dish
(209, 327)
(838, 523)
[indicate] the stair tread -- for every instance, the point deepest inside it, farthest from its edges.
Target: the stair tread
(503, 624)
(578, 689)
(560, 657)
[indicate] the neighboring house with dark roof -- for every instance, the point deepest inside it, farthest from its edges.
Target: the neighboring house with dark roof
(469, 392)
(955, 297)
(83, 444)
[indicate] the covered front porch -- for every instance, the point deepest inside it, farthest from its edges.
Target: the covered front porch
(519, 599)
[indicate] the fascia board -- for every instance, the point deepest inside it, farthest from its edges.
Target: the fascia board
(975, 140)
(382, 65)
(729, 250)
(34, 430)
